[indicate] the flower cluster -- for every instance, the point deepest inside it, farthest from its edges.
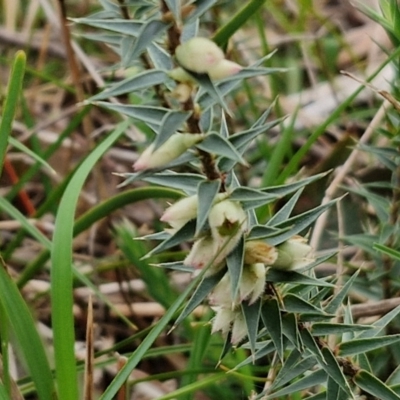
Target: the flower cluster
(227, 223)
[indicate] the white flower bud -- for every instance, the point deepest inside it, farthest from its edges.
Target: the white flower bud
(174, 146)
(181, 212)
(257, 251)
(295, 253)
(198, 55)
(202, 253)
(224, 69)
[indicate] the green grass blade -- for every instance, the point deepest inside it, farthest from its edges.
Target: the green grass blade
(61, 274)
(10, 104)
(140, 352)
(223, 34)
(24, 329)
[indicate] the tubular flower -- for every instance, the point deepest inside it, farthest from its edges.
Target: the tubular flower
(251, 287)
(174, 146)
(228, 222)
(181, 212)
(295, 253)
(202, 254)
(226, 319)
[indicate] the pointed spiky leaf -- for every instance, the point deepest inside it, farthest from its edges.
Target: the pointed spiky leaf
(296, 304)
(291, 331)
(216, 144)
(137, 82)
(373, 385)
(275, 275)
(333, 369)
(284, 213)
(271, 317)
(234, 263)
(203, 289)
(313, 379)
(206, 193)
(251, 313)
(327, 328)
(292, 369)
(357, 346)
(336, 302)
(149, 31)
(170, 123)
(183, 234)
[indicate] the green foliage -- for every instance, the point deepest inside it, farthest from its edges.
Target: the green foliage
(276, 326)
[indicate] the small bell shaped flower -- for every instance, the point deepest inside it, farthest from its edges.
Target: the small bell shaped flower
(181, 212)
(227, 319)
(202, 254)
(173, 147)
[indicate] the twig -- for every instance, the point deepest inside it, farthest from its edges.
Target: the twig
(342, 172)
(374, 309)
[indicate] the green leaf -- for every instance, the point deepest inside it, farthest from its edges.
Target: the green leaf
(207, 84)
(371, 384)
(160, 58)
(61, 273)
(126, 27)
(333, 369)
(291, 331)
(183, 234)
(315, 378)
(206, 193)
(277, 276)
(299, 223)
(296, 304)
(265, 349)
(149, 114)
(387, 250)
(224, 33)
(215, 144)
(200, 7)
(337, 300)
(284, 190)
(170, 123)
(251, 313)
(271, 317)
(283, 214)
(132, 84)
(311, 345)
(207, 284)
(137, 356)
(292, 369)
(234, 262)
(357, 346)
(182, 181)
(24, 328)
(327, 328)
(11, 102)
(379, 325)
(149, 31)
(25, 223)
(18, 145)
(251, 198)
(263, 232)
(176, 266)
(334, 391)
(175, 7)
